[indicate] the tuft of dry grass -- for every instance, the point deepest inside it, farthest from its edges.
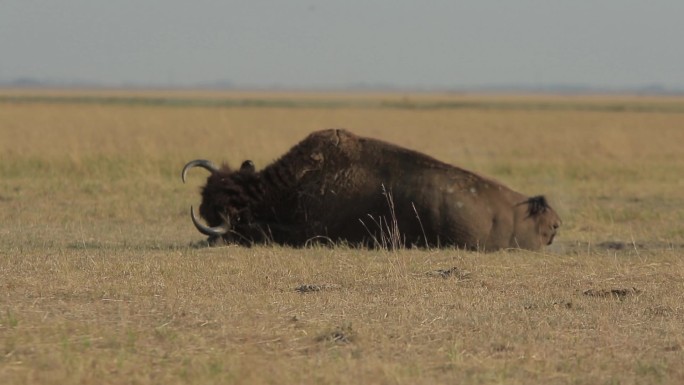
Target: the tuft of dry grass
(104, 279)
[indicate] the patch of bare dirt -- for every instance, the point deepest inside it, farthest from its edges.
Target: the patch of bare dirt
(314, 288)
(562, 304)
(556, 304)
(673, 348)
(620, 293)
(452, 272)
(659, 311)
(339, 335)
(613, 245)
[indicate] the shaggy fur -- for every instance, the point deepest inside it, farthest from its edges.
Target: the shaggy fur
(337, 186)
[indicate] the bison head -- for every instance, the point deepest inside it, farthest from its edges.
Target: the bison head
(536, 224)
(226, 199)
(546, 219)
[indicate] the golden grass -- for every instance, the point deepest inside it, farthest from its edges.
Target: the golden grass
(105, 280)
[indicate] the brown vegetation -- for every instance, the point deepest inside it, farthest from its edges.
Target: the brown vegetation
(104, 279)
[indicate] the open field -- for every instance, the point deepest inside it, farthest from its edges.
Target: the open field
(105, 280)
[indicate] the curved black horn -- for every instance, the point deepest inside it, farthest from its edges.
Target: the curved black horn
(205, 164)
(206, 230)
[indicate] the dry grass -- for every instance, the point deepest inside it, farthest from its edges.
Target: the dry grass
(105, 280)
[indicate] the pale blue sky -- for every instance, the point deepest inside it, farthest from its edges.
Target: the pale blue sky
(323, 44)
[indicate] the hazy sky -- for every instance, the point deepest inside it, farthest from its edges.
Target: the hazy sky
(294, 43)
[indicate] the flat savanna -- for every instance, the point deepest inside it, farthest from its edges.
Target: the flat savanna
(104, 279)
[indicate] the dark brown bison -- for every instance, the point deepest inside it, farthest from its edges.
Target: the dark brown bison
(337, 186)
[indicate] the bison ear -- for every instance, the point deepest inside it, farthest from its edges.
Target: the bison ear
(536, 205)
(247, 166)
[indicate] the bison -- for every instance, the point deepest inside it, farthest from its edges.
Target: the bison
(344, 188)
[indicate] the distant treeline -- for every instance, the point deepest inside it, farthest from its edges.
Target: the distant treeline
(607, 105)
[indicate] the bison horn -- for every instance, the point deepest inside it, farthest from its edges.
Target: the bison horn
(205, 164)
(206, 230)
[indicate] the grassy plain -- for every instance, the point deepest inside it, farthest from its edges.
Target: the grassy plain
(103, 278)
